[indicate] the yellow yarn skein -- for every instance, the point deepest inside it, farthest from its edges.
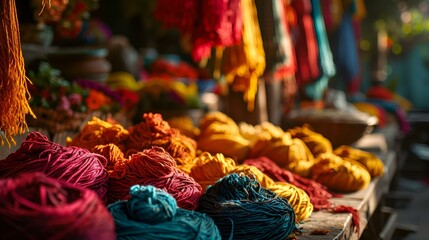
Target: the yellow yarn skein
(220, 134)
(207, 168)
(288, 153)
(297, 197)
(338, 174)
(185, 126)
(99, 132)
(370, 161)
(316, 142)
(222, 124)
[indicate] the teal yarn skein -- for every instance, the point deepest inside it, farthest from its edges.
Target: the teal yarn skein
(242, 209)
(152, 213)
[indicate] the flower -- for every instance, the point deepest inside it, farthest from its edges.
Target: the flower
(95, 100)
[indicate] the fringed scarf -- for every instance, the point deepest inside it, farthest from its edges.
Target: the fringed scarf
(14, 94)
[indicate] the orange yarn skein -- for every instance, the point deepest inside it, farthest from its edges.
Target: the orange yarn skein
(99, 132)
(154, 131)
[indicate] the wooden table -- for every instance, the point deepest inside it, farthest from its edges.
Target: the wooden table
(366, 201)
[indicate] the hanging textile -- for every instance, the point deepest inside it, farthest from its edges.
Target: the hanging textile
(332, 13)
(180, 14)
(210, 23)
(279, 52)
(305, 43)
(317, 88)
(344, 50)
(219, 24)
(14, 94)
(244, 63)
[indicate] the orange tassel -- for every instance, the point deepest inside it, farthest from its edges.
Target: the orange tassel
(14, 94)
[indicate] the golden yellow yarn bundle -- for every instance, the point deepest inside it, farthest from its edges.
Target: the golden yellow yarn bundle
(316, 142)
(185, 126)
(370, 161)
(220, 134)
(338, 174)
(289, 153)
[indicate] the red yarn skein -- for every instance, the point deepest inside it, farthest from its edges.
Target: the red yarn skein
(158, 168)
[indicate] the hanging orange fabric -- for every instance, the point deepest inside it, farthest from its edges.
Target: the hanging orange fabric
(14, 94)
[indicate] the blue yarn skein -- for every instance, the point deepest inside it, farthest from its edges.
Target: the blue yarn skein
(242, 209)
(152, 213)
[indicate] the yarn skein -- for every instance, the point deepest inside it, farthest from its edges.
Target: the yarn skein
(154, 131)
(338, 174)
(99, 132)
(242, 209)
(74, 165)
(152, 213)
(158, 168)
(34, 206)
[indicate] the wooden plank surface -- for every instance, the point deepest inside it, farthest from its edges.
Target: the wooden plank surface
(365, 201)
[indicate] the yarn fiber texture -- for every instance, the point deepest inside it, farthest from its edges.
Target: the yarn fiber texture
(370, 161)
(74, 165)
(318, 193)
(242, 209)
(338, 174)
(154, 167)
(208, 169)
(154, 131)
(152, 213)
(34, 206)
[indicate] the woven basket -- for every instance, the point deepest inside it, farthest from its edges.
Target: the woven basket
(57, 120)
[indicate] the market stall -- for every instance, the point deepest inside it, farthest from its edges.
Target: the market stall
(218, 123)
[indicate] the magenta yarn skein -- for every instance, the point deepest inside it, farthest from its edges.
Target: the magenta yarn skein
(34, 206)
(74, 165)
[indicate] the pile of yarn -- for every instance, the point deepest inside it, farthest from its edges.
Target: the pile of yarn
(74, 165)
(296, 197)
(34, 206)
(152, 131)
(154, 167)
(207, 169)
(152, 213)
(242, 209)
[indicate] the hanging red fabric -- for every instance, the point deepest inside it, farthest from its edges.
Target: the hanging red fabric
(305, 43)
(219, 25)
(180, 14)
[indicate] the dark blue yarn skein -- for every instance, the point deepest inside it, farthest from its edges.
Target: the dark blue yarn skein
(152, 213)
(242, 209)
